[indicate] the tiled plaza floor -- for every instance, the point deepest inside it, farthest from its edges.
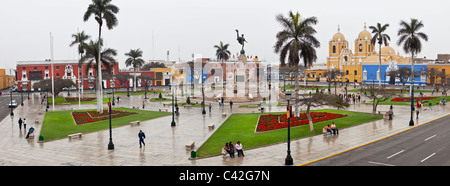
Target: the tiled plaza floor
(165, 145)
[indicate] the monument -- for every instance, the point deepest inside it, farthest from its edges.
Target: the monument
(241, 80)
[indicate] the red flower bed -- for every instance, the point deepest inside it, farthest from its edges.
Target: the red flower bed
(73, 99)
(408, 99)
(94, 116)
(279, 121)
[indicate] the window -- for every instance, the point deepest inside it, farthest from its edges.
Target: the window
(356, 72)
(35, 68)
(46, 67)
(334, 49)
(346, 72)
(57, 67)
(360, 47)
(57, 74)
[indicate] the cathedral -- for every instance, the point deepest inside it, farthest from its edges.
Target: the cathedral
(362, 64)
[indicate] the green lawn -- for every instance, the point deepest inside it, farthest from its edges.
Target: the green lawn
(62, 100)
(158, 100)
(242, 126)
(59, 124)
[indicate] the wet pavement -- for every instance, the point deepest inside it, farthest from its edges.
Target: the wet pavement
(165, 145)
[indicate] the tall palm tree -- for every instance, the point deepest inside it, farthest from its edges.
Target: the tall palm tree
(80, 38)
(101, 10)
(92, 59)
(222, 54)
(135, 60)
(296, 41)
(382, 39)
(410, 38)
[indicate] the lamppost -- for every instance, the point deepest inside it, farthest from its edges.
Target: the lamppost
(110, 145)
(203, 93)
(113, 86)
(10, 104)
(289, 160)
(173, 112)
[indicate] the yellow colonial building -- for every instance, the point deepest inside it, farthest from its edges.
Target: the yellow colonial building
(351, 62)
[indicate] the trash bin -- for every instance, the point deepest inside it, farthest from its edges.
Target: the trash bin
(41, 138)
(193, 154)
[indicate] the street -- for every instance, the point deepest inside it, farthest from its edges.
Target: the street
(426, 145)
(5, 99)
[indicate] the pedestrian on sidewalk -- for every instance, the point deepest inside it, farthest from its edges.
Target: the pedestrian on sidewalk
(231, 104)
(209, 107)
(143, 104)
(25, 124)
(20, 123)
(141, 136)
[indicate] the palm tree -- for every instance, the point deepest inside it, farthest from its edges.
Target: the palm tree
(80, 38)
(91, 58)
(134, 60)
(101, 9)
(296, 41)
(382, 39)
(222, 54)
(410, 38)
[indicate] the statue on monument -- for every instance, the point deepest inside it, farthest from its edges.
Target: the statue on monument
(241, 40)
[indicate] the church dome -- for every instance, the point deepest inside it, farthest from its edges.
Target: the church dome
(364, 35)
(338, 36)
(387, 50)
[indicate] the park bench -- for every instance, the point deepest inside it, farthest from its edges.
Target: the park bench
(211, 126)
(167, 104)
(135, 122)
(190, 145)
(166, 109)
(75, 135)
(187, 105)
(36, 121)
(224, 114)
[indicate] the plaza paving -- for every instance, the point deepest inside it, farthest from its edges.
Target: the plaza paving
(165, 145)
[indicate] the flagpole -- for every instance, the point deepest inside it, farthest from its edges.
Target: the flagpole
(53, 81)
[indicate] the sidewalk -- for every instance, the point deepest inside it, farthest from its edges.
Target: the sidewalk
(165, 145)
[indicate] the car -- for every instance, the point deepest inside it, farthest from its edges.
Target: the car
(13, 103)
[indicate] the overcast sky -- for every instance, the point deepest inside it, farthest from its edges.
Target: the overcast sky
(185, 27)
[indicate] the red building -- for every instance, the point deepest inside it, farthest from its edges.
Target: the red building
(30, 72)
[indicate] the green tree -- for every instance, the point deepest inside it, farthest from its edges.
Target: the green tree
(296, 41)
(222, 54)
(135, 60)
(410, 38)
(59, 85)
(102, 10)
(91, 58)
(80, 38)
(382, 38)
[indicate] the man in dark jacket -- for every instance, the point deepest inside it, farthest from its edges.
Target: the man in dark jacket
(141, 138)
(20, 123)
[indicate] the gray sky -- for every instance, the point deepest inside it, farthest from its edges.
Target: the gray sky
(185, 27)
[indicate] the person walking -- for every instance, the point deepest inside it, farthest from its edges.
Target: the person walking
(231, 104)
(143, 104)
(20, 123)
(141, 136)
(25, 124)
(209, 107)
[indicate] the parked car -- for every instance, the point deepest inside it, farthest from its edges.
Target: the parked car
(13, 103)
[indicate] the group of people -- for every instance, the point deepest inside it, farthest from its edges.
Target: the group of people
(333, 130)
(350, 97)
(30, 133)
(231, 149)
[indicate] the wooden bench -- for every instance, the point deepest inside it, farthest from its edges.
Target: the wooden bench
(167, 104)
(166, 109)
(190, 145)
(74, 135)
(36, 121)
(135, 122)
(187, 106)
(211, 126)
(224, 114)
